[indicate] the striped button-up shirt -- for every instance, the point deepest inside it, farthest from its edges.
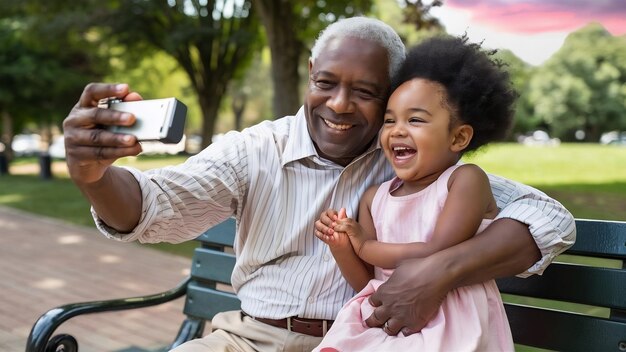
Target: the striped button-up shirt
(271, 179)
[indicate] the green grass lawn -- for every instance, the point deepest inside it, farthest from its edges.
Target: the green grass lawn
(590, 180)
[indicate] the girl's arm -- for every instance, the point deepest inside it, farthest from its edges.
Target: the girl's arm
(469, 201)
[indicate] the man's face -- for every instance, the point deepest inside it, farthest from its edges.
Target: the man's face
(346, 97)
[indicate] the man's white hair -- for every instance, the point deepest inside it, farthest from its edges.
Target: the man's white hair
(365, 28)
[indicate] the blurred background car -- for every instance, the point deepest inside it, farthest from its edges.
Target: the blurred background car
(26, 144)
(57, 148)
(539, 137)
(613, 138)
(155, 147)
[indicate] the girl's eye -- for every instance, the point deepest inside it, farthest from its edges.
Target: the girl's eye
(388, 121)
(416, 120)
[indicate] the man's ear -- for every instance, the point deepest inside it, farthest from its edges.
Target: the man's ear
(310, 65)
(462, 136)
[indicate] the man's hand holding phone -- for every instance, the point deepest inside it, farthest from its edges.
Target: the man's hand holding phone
(89, 147)
(96, 135)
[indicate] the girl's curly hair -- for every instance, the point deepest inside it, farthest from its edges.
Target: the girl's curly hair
(479, 91)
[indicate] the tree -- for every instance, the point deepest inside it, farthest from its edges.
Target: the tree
(418, 14)
(250, 99)
(290, 27)
(213, 41)
(42, 70)
(520, 73)
(158, 75)
(411, 19)
(583, 85)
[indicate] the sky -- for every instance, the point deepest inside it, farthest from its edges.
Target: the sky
(532, 29)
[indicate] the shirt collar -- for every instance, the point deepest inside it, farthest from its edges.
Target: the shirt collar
(300, 145)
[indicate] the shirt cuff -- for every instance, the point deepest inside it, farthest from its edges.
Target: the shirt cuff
(550, 239)
(148, 212)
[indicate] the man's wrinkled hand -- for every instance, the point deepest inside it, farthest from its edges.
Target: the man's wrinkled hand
(409, 299)
(90, 149)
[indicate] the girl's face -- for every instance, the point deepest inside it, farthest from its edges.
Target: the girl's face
(417, 135)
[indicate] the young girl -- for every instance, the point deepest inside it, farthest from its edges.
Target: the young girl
(450, 98)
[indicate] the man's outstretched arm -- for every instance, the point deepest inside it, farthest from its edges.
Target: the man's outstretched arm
(91, 150)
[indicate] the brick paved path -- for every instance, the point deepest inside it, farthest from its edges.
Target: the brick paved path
(45, 263)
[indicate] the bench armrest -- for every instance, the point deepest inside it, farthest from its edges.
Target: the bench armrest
(46, 324)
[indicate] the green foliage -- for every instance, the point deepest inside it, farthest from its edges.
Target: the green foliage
(315, 15)
(411, 20)
(583, 86)
(251, 91)
(157, 76)
(43, 68)
(213, 42)
(520, 74)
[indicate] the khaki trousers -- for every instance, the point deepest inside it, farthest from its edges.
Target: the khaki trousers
(233, 331)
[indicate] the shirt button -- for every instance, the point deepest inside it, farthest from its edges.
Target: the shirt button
(311, 299)
(326, 257)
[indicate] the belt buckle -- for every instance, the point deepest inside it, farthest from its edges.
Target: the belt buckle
(289, 324)
(324, 327)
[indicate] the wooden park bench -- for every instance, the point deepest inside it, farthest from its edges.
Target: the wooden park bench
(571, 307)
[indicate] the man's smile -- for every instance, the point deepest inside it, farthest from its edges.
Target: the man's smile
(340, 127)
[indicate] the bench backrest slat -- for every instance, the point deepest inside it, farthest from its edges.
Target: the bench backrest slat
(204, 302)
(562, 331)
(589, 283)
(212, 264)
(598, 238)
(603, 287)
(222, 234)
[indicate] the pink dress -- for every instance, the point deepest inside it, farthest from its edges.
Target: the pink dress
(471, 318)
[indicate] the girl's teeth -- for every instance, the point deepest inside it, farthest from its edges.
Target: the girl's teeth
(403, 152)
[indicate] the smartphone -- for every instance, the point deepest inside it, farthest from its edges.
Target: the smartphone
(156, 119)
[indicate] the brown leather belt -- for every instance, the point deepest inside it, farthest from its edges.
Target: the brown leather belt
(311, 327)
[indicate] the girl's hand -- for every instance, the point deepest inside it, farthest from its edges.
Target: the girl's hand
(324, 226)
(324, 230)
(351, 228)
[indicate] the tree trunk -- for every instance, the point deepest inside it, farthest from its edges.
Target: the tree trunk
(209, 101)
(7, 134)
(285, 49)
